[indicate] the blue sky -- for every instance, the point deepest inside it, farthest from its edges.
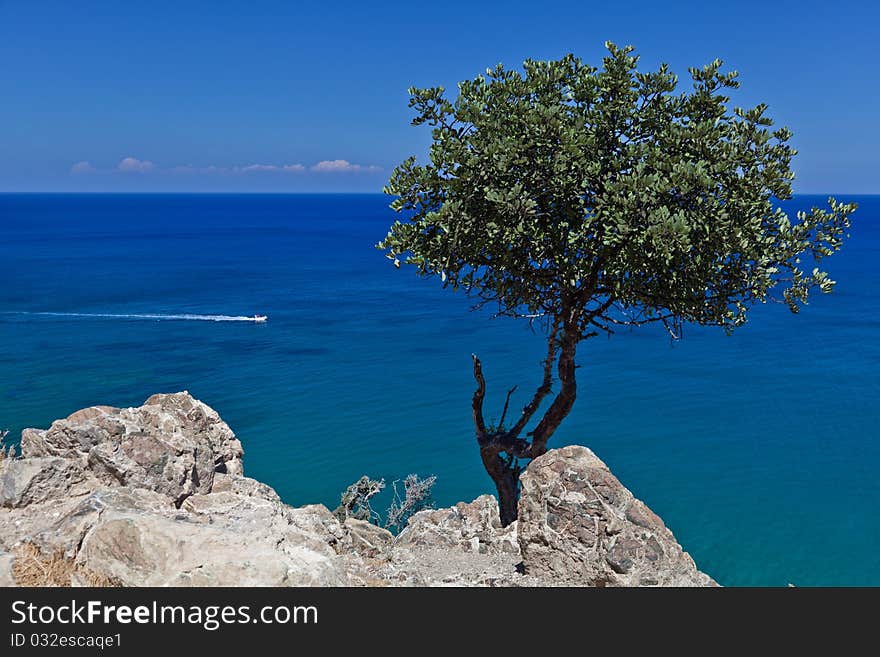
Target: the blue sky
(221, 96)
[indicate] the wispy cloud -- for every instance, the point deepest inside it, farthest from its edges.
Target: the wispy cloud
(82, 167)
(259, 167)
(190, 169)
(342, 166)
(132, 164)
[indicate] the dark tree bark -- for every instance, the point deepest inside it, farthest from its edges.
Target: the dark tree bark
(563, 402)
(505, 474)
(494, 445)
(503, 450)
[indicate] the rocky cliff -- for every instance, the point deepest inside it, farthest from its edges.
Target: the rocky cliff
(156, 496)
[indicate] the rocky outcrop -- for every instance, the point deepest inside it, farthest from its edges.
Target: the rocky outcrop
(156, 496)
(35, 480)
(474, 527)
(6, 576)
(173, 444)
(222, 539)
(366, 538)
(463, 545)
(578, 525)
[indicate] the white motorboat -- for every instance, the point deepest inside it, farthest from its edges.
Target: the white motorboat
(260, 318)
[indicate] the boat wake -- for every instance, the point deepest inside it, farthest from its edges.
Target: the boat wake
(136, 316)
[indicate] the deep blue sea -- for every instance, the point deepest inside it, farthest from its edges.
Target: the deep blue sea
(759, 450)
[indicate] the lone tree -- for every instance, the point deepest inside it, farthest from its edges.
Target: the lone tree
(589, 200)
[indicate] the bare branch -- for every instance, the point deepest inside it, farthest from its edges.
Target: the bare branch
(355, 500)
(636, 321)
(601, 326)
(506, 404)
(602, 308)
(546, 384)
(671, 330)
(479, 395)
(564, 399)
(598, 312)
(416, 496)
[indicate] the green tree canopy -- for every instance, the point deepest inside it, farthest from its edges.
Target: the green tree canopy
(594, 198)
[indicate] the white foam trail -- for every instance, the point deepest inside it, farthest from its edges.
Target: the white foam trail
(187, 317)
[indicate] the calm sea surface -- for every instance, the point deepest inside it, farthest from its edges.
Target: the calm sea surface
(760, 450)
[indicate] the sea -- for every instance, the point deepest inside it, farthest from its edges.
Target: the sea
(759, 450)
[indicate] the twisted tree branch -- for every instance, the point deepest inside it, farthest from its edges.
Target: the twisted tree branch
(479, 395)
(506, 404)
(564, 400)
(546, 384)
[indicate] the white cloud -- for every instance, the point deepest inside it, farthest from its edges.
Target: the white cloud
(82, 167)
(259, 167)
(134, 165)
(130, 164)
(341, 166)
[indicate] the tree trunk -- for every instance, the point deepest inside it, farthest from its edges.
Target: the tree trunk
(503, 471)
(501, 450)
(506, 478)
(563, 402)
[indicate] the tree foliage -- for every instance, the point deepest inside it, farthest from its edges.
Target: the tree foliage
(594, 198)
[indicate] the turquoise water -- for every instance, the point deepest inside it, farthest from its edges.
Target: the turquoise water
(759, 450)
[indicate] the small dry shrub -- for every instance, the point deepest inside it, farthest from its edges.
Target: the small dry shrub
(34, 568)
(6, 452)
(416, 497)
